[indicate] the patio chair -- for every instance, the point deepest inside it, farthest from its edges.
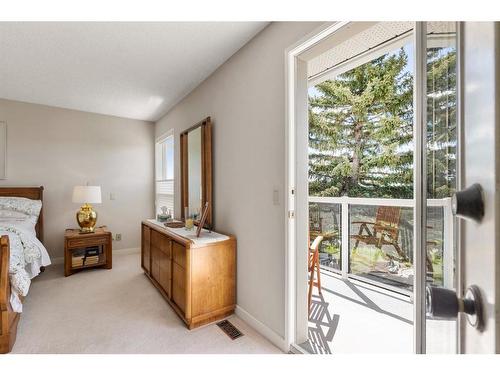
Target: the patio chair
(384, 231)
(313, 255)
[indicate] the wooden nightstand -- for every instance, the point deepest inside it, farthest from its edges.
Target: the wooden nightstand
(89, 250)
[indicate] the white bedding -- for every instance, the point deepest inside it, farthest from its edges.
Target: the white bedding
(27, 254)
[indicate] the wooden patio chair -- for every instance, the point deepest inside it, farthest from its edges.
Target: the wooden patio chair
(313, 255)
(384, 231)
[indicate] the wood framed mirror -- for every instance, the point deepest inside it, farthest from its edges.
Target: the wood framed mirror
(196, 171)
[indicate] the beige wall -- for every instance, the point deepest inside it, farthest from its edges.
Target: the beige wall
(246, 99)
(60, 148)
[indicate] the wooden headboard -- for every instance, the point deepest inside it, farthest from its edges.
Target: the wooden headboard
(31, 193)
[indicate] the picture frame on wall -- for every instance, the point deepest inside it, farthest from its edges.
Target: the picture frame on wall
(3, 150)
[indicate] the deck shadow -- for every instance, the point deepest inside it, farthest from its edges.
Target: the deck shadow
(322, 327)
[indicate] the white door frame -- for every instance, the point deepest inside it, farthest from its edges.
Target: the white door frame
(419, 186)
(294, 65)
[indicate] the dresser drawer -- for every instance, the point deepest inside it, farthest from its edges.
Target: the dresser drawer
(80, 242)
(179, 254)
(165, 277)
(146, 248)
(155, 263)
(161, 242)
(179, 286)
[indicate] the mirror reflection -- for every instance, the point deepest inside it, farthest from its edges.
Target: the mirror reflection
(194, 173)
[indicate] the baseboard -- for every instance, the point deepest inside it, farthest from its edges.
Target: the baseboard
(261, 328)
(130, 250)
(56, 261)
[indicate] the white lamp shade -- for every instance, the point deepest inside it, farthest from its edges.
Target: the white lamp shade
(87, 194)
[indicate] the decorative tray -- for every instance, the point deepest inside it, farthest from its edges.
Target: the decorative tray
(174, 224)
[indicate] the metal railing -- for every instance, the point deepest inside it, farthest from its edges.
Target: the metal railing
(346, 203)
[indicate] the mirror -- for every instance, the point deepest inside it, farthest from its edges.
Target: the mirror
(196, 171)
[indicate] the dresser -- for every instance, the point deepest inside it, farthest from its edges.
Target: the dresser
(195, 275)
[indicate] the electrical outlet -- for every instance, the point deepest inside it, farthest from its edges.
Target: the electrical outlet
(118, 236)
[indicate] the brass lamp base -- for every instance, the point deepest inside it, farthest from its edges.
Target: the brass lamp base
(86, 218)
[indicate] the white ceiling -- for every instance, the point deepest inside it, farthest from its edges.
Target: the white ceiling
(134, 70)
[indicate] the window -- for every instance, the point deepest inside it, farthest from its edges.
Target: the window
(164, 174)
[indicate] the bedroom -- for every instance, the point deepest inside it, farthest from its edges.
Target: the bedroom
(121, 139)
(61, 149)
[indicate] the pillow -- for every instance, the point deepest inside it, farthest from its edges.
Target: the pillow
(21, 206)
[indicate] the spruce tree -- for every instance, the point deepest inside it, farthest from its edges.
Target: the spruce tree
(360, 131)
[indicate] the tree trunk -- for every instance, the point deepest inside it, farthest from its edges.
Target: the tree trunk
(356, 156)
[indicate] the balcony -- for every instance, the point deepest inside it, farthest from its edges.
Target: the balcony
(367, 274)
(347, 227)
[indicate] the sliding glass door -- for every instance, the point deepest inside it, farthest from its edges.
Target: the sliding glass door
(377, 150)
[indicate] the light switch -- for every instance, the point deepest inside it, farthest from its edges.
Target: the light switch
(112, 196)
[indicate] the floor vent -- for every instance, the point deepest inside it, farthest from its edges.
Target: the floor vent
(229, 329)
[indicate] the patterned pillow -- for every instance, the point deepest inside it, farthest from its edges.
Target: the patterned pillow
(20, 206)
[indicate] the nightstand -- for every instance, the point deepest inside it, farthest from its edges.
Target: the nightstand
(87, 250)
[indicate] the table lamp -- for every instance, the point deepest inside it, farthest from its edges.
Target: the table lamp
(86, 217)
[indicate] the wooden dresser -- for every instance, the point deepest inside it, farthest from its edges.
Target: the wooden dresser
(197, 276)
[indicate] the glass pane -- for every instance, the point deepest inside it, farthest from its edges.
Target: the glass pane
(169, 157)
(324, 220)
(361, 168)
(158, 162)
(441, 154)
(436, 233)
(381, 244)
(361, 146)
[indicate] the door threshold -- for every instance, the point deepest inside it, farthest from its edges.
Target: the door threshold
(297, 349)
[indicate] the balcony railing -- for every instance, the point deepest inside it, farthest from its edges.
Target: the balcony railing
(364, 239)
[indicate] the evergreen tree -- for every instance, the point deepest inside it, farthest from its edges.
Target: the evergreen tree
(360, 131)
(441, 122)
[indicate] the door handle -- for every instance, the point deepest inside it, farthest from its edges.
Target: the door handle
(444, 304)
(469, 203)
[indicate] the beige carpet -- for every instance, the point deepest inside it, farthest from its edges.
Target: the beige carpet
(116, 311)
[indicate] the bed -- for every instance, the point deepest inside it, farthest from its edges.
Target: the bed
(22, 255)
